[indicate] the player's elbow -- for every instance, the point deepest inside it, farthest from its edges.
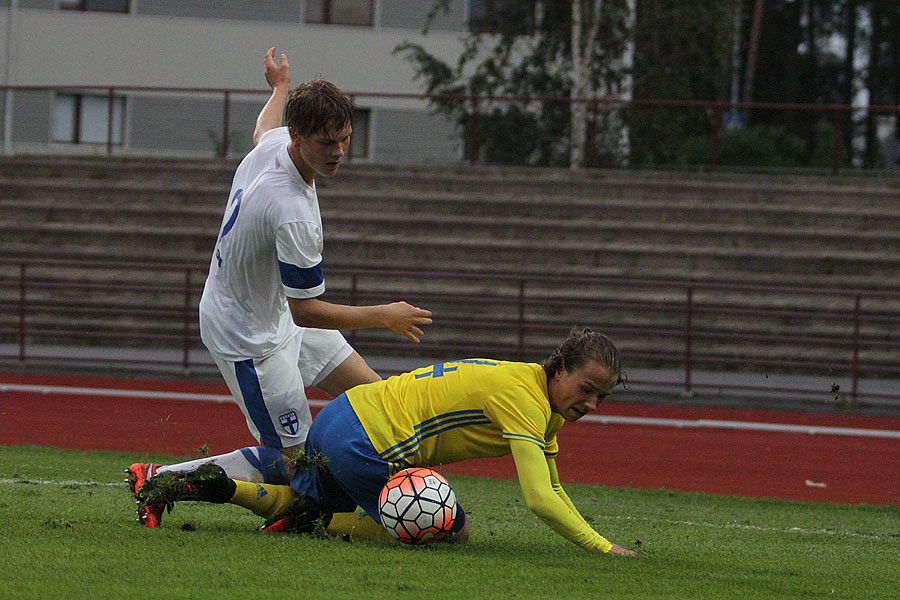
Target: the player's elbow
(540, 504)
(302, 313)
(258, 132)
(300, 320)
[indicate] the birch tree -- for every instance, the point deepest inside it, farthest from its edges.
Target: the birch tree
(587, 22)
(559, 49)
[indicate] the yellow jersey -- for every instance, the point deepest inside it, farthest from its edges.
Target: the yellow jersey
(475, 408)
(457, 410)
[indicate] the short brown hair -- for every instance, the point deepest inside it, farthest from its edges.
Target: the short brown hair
(582, 345)
(317, 105)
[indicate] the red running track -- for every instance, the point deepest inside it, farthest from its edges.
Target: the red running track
(793, 466)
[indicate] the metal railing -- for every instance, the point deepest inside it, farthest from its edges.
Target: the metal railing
(145, 315)
(715, 112)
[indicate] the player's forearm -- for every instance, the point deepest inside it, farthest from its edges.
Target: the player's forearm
(325, 315)
(568, 501)
(587, 538)
(537, 477)
(558, 489)
(399, 317)
(272, 114)
(554, 512)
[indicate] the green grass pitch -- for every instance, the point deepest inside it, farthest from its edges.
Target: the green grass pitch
(67, 530)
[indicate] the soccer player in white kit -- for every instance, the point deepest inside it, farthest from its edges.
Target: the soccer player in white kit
(260, 316)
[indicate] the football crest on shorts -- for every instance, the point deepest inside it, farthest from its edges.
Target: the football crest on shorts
(289, 422)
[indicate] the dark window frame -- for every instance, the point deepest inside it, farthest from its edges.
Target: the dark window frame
(327, 18)
(361, 140)
(77, 120)
(490, 23)
(82, 6)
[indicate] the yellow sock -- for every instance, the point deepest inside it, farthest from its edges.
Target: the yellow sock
(265, 499)
(357, 525)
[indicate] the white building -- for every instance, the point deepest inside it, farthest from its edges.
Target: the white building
(63, 60)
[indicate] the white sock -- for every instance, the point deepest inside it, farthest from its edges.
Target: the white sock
(257, 464)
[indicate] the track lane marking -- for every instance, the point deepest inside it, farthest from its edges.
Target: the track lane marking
(600, 419)
(741, 425)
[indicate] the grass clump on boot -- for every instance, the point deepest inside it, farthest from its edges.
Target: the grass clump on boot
(207, 483)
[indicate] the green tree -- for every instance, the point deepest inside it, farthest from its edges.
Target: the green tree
(882, 76)
(806, 52)
(522, 50)
(683, 52)
(799, 62)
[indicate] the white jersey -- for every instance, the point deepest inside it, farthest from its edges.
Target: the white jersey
(269, 248)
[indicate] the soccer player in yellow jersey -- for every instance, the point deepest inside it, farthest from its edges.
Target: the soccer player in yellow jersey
(453, 411)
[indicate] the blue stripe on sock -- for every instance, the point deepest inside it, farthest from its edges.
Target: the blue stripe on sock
(267, 461)
(255, 403)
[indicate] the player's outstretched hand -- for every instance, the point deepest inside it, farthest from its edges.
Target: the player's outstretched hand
(404, 319)
(277, 75)
(620, 551)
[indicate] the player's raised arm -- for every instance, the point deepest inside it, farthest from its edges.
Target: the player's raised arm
(278, 76)
(542, 500)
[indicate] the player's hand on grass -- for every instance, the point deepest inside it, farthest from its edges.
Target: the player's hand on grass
(277, 75)
(404, 319)
(620, 551)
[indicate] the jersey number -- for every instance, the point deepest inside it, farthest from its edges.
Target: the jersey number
(439, 370)
(236, 204)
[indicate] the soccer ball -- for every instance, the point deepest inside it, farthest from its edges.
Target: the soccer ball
(417, 505)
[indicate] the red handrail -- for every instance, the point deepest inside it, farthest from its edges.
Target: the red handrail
(168, 294)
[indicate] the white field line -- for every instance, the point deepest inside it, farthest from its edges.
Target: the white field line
(746, 527)
(740, 526)
(119, 393)
(602, 419)
(87, 483)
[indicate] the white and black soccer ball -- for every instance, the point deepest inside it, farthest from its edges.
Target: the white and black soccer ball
(417, 505)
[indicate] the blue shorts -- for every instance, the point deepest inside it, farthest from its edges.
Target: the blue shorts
(354, 472)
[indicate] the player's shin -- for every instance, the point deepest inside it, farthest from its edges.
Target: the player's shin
(264, 499)
(257, 463)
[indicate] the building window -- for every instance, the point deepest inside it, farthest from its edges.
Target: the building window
(339, 12)
(359, 141)
(501, 16)
(84, 119)
(121, 6)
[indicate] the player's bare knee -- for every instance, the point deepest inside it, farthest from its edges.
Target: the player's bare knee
(350, 373)
(461, 536)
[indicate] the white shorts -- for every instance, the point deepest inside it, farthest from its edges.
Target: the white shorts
(271, 391)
